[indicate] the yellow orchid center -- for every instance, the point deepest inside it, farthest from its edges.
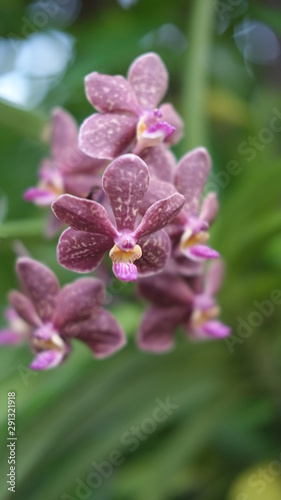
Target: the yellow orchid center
(199, 316)
(125, 256)
(189, 239)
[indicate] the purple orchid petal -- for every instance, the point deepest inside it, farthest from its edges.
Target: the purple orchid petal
(64, 135)
(166, 290)
(78, 301)
(160, 214)
(156, 250)
(170, 115)
(83, 215)
(153, 136)
(102, 334)
(186, 267)
(8, 337)
(149, 78)
(40, 284)
(40, 197)
(158, 190)
(214, 277)
(125, 182)
(199, 252)
(46, 360)
(82, 252)
(203, 302)
(125, 271)
(81, 184)
(53, 226)
(107, 135)
(210, 208)
(156, 332)
(215, 329)
(161, 163)
(111, 94)
(191, 176)
(24, 308)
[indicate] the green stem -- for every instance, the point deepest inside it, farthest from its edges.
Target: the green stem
(21, 228)
(196, 73)
(24, 122)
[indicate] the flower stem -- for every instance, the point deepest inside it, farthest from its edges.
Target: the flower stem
(24, 122)
(196, 73)
(21, 228)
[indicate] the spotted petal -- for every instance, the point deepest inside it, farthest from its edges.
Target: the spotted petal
(78, 301)
(160, 161)
(214, 277)
(111, 94)
(160, 214)
(191, 176)
(80, 251)
(64, 135)
(156, 250)
(210, 207)
(83, 215)
(166, 290)
(156, 332)
(102, 334)
(40, 284)
(125, 182)
(149, 78)
(107, 135)
(24, 308)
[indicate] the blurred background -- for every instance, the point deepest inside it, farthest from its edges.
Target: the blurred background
(86, 430)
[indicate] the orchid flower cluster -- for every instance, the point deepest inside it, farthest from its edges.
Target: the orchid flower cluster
(116, 185)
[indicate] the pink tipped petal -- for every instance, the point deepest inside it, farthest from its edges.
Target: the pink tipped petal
(111, 94)
(83, 215)
(102, 334)
(125, 182)
(24, 308)
(46, 360)
(161, 163)
(79, 300)
(156, 332)
(214, 277)
(8, 337)
(64, 135)
(166, 290)
(125, 271)
(149, 78)
(40, 197)
(191, 176)
(107, 135)
(210, 208)
(216, 329)
(40, 284)
(170, 115)
(80, 251)
(160, 214)
(198, 252)
(156, 250)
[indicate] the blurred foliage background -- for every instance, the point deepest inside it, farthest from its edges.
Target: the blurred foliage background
(223, 440)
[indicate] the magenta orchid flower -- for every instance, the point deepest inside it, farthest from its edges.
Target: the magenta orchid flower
(91, 234)
(128, 113)
(69, 170)
(189, 231)
(175, 303)
(53, 317)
